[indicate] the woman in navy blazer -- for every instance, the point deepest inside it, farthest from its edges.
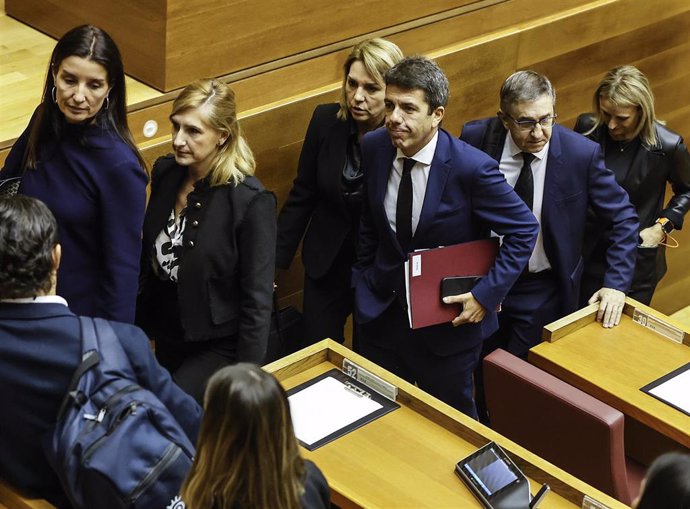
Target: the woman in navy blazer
(326, 195)
(644, 155)
(209, 244)
(78, 157)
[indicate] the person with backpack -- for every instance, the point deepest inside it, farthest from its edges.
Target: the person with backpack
(41, 349)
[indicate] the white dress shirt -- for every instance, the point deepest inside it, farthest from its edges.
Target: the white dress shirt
(420, 176)
(510, 165)
(39, 299)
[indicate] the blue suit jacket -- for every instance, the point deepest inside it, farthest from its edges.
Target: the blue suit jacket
(466, 197)
(576, 178)
(40, 348)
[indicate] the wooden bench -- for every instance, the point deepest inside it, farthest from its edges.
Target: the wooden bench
(10, 498)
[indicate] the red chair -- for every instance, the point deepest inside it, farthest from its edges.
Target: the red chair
(560, 423)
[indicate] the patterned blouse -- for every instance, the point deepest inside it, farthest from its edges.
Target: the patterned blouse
(168, 247)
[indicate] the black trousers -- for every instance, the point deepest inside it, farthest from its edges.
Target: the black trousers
(390, 342)
(192, 363)
(329, 300)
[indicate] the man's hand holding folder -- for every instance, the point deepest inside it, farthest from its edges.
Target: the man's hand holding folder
(455, 268)
(472, 310)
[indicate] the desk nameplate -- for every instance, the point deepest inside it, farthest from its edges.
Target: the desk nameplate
(369, 379)
(590, 503)
(657, 325)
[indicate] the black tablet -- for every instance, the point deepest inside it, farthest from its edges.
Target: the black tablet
(492, 476)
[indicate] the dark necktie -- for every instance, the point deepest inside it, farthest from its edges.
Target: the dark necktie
(403, 209)
(524, 187)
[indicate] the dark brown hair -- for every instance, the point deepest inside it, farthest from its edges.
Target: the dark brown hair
(28, 234)
(91, 43)
(247, 454)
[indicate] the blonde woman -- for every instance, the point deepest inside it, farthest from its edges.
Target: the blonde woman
(644, 155)
(247, 453)
(209, 243)
(324, 203)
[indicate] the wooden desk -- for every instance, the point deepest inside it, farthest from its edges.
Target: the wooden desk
(12, 499)
(405, 459)
(613, 364)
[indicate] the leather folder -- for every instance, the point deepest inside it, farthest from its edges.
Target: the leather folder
(424, 271)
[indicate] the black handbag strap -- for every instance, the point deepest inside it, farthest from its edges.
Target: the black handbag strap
(276, 316)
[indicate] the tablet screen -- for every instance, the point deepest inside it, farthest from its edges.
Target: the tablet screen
(490, 472)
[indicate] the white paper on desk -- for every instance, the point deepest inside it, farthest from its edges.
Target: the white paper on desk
(326, 407)
(675, 391)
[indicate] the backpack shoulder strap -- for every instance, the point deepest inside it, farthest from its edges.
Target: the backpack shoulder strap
(89, 341)
(89, 359)
(114, 360)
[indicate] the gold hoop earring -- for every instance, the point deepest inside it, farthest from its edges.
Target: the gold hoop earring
(53, 94)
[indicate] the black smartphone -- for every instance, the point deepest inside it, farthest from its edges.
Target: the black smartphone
(457, 285)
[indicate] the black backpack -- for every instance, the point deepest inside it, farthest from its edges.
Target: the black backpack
(115, 445)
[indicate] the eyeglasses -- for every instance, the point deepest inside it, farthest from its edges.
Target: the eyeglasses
(531, 125)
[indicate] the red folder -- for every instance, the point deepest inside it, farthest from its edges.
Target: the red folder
(424, 271)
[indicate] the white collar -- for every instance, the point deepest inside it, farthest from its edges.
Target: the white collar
(426, 154)
(515, 150)
(38, 299)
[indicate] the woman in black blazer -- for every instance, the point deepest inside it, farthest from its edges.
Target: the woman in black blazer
(209, 244)
(326, 195)
(644, 155)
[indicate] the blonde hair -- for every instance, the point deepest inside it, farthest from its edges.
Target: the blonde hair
(247, 454)
(627, 87)
(234, 160)
(377, 56)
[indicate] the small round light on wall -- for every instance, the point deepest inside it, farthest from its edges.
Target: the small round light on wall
(150, 128)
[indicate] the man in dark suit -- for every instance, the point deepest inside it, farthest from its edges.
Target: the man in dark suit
(41, 348)
(427, 189)
(559, 174)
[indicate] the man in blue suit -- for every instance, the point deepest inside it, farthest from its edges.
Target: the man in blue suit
(559, 174)
(427, 189)
(40, 348)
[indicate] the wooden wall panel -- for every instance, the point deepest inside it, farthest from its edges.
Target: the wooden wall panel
(242, 34)
(168, 43)
(594, 22)
(137, 27)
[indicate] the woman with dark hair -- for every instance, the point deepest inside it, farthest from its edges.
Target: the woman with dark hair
(78, 156)
(247, 453)
(667, 483)
(209, 243)
(326, 195)
(644, 155)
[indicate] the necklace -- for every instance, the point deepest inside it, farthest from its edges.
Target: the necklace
(624, 144)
